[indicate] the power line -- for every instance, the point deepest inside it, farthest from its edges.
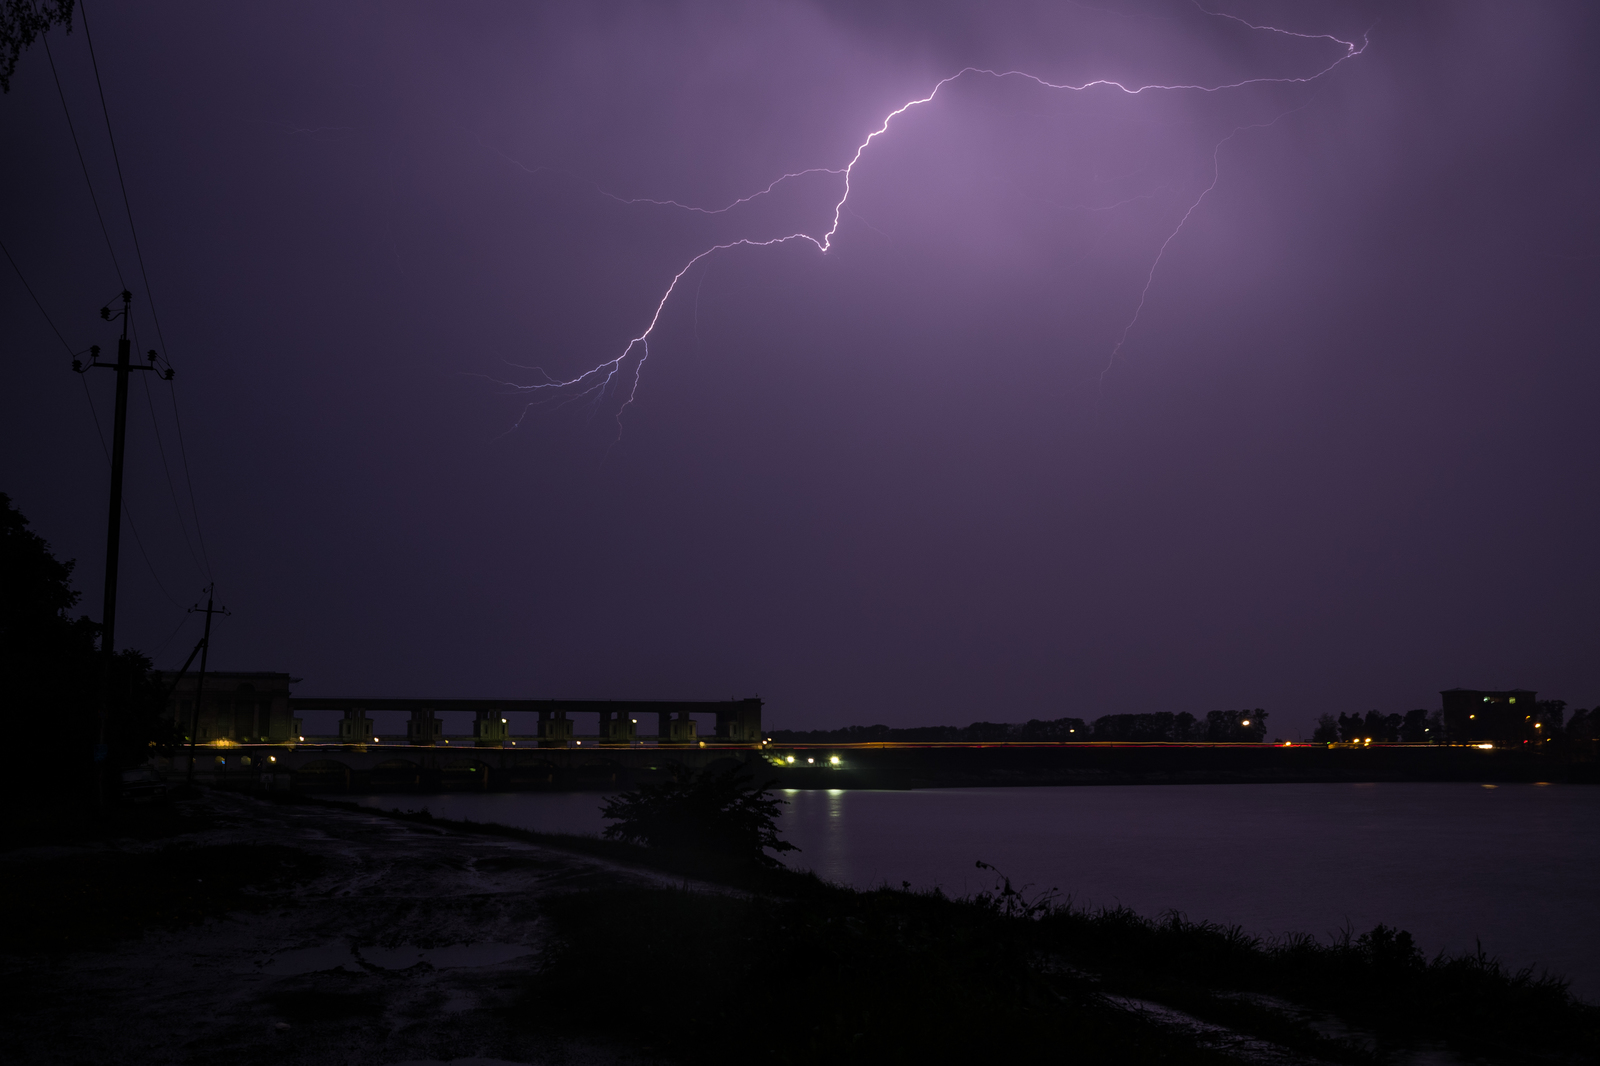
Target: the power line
(161, 449)
(183, 451)
(117, 160)
(39, 305)
(125, 512)
(82, 163)
(183, 454)
(95, 415)
(132, 528)
(163, 645)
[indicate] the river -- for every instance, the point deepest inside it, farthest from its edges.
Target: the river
(1515, 867)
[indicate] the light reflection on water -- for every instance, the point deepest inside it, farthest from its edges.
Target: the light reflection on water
(1515, 866)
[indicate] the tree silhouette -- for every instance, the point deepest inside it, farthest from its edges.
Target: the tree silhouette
(21, 22)
(51, 668)
(718, 812)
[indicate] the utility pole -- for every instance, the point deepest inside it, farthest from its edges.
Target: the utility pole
(200, 686)
(119, 432)
(184, 670)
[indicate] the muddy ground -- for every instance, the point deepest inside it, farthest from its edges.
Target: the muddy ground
(396, 943)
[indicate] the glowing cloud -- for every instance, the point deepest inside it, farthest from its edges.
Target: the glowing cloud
(611, 377)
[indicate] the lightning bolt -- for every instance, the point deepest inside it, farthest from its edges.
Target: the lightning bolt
(730, 207)
(611, 376)
(1150, 277)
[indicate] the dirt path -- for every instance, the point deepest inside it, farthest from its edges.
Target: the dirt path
(411, 944)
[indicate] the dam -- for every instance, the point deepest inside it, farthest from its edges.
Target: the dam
(248, 736)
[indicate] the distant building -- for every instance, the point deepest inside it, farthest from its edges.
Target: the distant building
(1480, 716)
(243, 707)
(738, 721)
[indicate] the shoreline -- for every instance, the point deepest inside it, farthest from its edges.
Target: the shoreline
(398, 768)
(401, 937)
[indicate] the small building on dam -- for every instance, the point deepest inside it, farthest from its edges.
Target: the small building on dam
(1505, 717)
(245, 708)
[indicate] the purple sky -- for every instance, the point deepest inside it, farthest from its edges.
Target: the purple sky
(1346, 458)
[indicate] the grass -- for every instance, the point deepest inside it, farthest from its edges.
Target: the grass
(897, 976)
(839, 977)
(1378, 981)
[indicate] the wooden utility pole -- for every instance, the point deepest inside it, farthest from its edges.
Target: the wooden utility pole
(200, 685)
(119, 434)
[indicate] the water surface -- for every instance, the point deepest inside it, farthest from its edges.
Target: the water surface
(1516, 867)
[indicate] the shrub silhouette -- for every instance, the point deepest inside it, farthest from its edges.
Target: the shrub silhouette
(719, 812)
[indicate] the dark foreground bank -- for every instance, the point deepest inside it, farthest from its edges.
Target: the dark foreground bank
(893, 975)
(217, 920)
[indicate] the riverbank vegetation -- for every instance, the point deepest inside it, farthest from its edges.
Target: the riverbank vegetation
(717, 812)
(893, 975)
(898, 975)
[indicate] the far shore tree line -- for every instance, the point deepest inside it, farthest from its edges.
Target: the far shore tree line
(1421, 726)
(1217, 727)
